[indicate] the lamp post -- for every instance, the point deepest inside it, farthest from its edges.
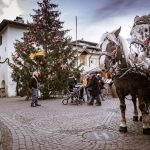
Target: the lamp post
(76, 42)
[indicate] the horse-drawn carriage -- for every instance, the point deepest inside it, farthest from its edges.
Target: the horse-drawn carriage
(130, 69)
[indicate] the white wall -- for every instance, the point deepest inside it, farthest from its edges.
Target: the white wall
(7, 48)
(17, 34)
(89, 66)
(3, 54)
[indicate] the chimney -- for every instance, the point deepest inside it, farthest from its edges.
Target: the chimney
(19, 19)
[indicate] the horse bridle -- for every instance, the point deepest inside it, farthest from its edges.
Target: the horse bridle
(112, 55)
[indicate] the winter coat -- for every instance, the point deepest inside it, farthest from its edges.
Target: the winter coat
(93, 86)
(71, 83)
(101, 83)
(34, 82)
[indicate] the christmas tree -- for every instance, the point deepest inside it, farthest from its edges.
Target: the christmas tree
(45, 48)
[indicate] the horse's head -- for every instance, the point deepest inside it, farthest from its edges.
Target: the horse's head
(111, 47)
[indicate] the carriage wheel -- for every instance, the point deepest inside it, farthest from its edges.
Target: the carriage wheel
(65, 101)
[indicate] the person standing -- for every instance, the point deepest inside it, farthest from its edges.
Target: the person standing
(86, 88)
(109, 81)
(35, 89)
(101, 86)
(72, 81)
(71, 84)
(94, 91)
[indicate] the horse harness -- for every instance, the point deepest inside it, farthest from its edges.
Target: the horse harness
(117, 55)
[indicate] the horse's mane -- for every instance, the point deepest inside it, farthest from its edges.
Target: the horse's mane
(102, 38)
(125, 47)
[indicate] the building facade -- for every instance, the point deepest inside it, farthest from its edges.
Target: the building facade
(10, 31)
(88, 55)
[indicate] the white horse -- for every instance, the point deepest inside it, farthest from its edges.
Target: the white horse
(116, 52)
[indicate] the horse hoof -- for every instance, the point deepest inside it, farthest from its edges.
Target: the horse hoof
(135, 118)
(123, 129)
(140, 118)
(146, 131)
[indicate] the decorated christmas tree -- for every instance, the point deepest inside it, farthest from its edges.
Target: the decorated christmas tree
(45, 48)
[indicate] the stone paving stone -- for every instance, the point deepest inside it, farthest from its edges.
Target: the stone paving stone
(0, 136)
(5, 136)
(1, 146)
(54, 126)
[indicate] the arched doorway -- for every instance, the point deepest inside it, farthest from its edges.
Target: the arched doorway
(3, 84)
(2, 89)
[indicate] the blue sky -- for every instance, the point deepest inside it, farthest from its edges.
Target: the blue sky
(94, 16)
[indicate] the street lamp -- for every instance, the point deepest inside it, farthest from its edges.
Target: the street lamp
(76, 42)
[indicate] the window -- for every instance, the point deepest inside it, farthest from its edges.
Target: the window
(83, 59)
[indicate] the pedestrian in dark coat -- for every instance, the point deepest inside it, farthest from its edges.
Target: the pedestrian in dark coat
(35, 89)
(71, 82)
(101, 85)
(87, 89)
(93, 85)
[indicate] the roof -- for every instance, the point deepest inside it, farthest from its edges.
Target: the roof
(86, 45)
(85, 51)
(6, 22)
(85, 42)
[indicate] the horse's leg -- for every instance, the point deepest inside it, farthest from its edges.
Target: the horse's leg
(139, 111)
(123, 126)
(135, 113)
(145, 117)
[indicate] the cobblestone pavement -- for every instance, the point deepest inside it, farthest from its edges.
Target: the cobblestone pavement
(55, 126)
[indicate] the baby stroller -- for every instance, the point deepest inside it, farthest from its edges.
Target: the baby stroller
(75, 95)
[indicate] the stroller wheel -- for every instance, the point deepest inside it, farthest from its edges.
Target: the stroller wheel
(65, 101)
(76, 101)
